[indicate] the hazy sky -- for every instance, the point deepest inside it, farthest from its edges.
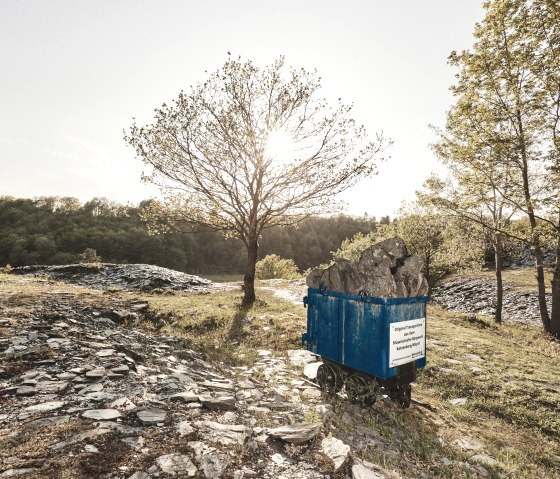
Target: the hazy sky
(74, 73)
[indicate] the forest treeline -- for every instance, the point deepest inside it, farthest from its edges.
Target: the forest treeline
(55, 230)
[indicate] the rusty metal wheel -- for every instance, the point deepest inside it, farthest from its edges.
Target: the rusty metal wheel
(329, 379)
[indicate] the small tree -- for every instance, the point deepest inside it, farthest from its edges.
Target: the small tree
(272, 267)
(251, 148)
(90, 256)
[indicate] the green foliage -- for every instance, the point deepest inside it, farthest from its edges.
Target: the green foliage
(57, 230)
(90, 256)
(447, 245)
(273, 266)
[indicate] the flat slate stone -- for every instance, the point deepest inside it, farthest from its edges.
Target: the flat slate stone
(467, 444)
(222, 403)
(123, 403)
(186, 396)
(310, 369)
(359, 471)
(184, 428)
(151, 415)
(176, 464)
(295, 433)
(336, 450)
(224, 434)
(46, 406)
(51, 387)
(214, 465)
(25, 391)
(101, 414)
(105, 353)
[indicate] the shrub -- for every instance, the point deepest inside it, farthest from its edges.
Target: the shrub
(272, 266)
(90, 256)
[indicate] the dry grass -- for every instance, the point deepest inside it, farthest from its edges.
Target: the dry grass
(218, 327)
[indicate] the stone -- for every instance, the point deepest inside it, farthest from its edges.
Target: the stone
(184, 428)
(105, 353)
(301, 357)
(186, 397)
(48, 421)
(123, 403)
(81, 437)
(214, 465)
(151, 415)
(225, 434)
(173, 464)
(101, 414)
(25, 391)
(45, 407)
(484, 459)
(467, 444)
(336, 450)
(297, 433)
(384, 270)
(359, 471)
(96, 373)
(136, 442)
(93, 388)
(458, 401)
(140, 475)
(18, 472)
(310, 369)
(473, 357)
(222, 403)
(51, 387)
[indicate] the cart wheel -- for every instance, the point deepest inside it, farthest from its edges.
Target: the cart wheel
(402, 395)
(362, 389)
(329, 379)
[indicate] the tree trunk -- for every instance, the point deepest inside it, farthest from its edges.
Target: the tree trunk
(499, 284)
(535, 240)
(249, 278)
(555, 315)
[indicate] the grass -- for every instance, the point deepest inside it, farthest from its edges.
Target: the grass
(218, 327)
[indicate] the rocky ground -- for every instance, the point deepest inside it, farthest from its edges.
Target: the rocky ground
(86, 390)
(477, 295)
(85, 393)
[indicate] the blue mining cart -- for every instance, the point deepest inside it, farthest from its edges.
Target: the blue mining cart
(366, 343)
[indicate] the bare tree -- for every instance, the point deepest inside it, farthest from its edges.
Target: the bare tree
(251, 148)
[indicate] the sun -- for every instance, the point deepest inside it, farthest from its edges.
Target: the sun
(280, 146)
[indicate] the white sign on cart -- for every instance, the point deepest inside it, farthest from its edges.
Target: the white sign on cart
(407, 341)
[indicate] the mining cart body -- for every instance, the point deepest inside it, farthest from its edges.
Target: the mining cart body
(366, 343)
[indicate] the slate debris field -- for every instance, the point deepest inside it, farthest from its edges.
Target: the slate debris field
(85, 393)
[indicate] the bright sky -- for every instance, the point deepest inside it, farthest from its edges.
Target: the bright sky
(74, 73)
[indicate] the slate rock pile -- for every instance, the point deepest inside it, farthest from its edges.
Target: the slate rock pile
(384, 270)
(87, 397)
(142, 277)
(478, 296)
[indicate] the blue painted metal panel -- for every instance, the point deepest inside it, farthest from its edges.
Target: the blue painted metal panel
(354, 330)
(323, 325)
